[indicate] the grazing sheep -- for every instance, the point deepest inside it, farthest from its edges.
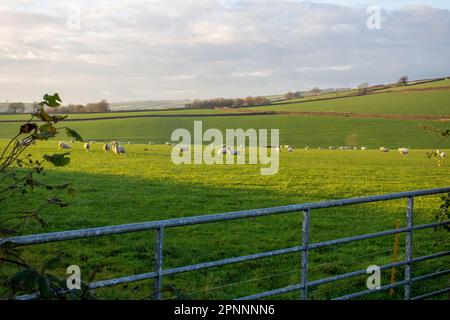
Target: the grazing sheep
(384, 149)
(332, 148)
(290, 149)
(63, 145)
(403, 151)
(87, 146)
(307, 148)
(363, 148)
(117, 149)
(232, 152)
(106, 147)
(168, 143)
(440, 154)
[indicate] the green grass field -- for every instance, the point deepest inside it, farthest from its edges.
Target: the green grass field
(420, 103)
(299, 131)
(162, 190)
(147, 186)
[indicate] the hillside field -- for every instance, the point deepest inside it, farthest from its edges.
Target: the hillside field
(145, 185)
(162, 190)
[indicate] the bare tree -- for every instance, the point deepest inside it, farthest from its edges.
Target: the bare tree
(403, 80)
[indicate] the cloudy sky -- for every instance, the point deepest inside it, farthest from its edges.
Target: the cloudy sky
(174, 49)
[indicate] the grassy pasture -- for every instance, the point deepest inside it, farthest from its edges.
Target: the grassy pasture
(146, 185)
(421, 103)
(299, 131)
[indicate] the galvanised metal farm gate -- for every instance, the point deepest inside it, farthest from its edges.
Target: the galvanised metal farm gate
(159, 226)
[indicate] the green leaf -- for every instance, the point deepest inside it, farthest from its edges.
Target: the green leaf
(47, 131)
(58, 160)
(52, 101)
(25, 280)
(73, 134)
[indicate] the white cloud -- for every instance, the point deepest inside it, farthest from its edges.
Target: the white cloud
(260, 73)
(326, 68)
(161, 49)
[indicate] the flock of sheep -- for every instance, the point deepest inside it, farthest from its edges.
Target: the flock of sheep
(114, 147)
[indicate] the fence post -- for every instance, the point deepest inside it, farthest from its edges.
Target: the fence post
(409, 246)
(158, 262)
(305, 242)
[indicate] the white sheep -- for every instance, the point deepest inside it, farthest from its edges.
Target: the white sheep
(442, 154)
(384, 149)
(403, 151)
(63, 145)
(106, 147)
(87, 146)
(117, 149)
(222, 150)
(290, 149)
(363, 148)
(307, 148)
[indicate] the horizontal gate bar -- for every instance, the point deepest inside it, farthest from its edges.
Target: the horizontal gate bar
(432, 294)
(151, 225)
(387, 287)
(341, 277)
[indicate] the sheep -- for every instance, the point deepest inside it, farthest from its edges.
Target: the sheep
(440, 154)
(363, 148)
(222, 150)
(150, 143)
(232, 152)
(106, 147)
(384, 149)
(87, 146)
(403, 151)
(290, 149)
(306, 148)
(168, 143)
(332, 148)
(63, 145)
(117, 149)
(276, 149)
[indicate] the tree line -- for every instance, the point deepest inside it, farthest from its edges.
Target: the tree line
(95, 107)
(228, 103)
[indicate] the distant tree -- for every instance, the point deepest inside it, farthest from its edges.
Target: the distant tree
(101, 106)
(16, 107)
(297, 95)
(403, 80)
(316, 91)
(363, 89)
(289, 95)
(238, 102)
